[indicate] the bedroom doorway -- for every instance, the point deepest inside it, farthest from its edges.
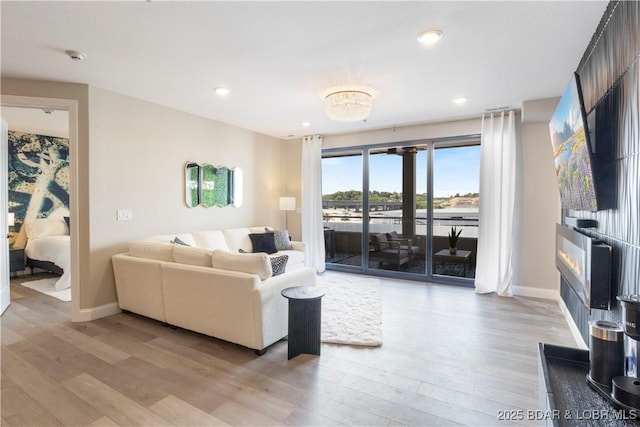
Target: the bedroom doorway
(46, 129)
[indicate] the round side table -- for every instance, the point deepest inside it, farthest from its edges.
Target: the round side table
(305, 306)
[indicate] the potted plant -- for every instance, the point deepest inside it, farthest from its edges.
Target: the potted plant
(454, 234)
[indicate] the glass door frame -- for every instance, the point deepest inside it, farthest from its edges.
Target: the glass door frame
(365, 150)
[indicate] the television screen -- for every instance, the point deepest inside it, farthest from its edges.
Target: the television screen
(571, 151)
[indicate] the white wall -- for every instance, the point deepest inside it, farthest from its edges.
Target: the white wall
(138, 152)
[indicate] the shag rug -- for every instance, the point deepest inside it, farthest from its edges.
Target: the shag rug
(351, 310)
(48, 286)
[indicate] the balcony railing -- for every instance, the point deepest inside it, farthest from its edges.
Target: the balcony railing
(345, 232)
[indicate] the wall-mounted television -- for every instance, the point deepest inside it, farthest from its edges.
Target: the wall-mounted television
(572, 151)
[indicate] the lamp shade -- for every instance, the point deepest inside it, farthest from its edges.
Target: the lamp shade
(11, 219)
(287, 203)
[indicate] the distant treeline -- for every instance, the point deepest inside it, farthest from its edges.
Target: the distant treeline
(387, 196)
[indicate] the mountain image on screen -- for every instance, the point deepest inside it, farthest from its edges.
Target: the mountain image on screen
(571, 152)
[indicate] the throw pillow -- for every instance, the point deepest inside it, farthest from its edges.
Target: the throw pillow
(177, 241)
(281, 238)
(263, 242)
(278, 264)
(68, 221)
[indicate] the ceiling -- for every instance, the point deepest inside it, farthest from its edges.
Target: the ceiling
(277, 57)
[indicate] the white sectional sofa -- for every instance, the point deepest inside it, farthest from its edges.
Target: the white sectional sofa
(209, 286)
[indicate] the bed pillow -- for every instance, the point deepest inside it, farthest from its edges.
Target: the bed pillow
(263, 242)
(46, 227)
(246, 263)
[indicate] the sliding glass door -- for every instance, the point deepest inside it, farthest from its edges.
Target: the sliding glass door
(397, 209)
(388, 209)
(456, 173)
(342, 203)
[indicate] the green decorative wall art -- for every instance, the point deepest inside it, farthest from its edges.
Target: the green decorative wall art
(208, 185)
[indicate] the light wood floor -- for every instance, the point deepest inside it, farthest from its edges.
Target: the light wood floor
(450, 357)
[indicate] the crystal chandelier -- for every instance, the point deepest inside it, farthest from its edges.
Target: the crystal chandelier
(348, 105)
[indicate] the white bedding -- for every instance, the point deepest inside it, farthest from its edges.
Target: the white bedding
(55, 249)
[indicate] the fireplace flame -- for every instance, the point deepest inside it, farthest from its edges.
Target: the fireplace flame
(571, 262)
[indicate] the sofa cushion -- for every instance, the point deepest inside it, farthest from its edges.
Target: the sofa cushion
(161, 251)
(237, 238)
(192, 256)
(295, 257)
(210, 239)
(263, 242)
(279, 264)
(257, 263)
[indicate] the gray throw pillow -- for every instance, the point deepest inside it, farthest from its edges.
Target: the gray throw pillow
(177, 241)
(278, 264)
(282, 239)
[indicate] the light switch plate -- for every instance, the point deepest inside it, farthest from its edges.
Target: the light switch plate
(124, 214)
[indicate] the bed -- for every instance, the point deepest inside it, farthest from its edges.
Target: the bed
(48, 247)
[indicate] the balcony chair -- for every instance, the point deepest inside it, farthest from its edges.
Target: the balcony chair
(385, 251)
(405, 243)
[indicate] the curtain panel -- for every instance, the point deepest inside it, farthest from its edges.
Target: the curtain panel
(494, 271)
(312, 232)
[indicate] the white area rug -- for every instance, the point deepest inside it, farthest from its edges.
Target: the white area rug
(351, 310)
(48, 286)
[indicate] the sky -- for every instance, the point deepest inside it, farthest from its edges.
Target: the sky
(456, 170)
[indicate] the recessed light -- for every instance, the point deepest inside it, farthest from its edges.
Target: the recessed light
(429, 37)
(305, 124)
(460, 101)
(222, 91)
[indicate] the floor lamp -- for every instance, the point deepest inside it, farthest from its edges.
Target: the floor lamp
(287, 204)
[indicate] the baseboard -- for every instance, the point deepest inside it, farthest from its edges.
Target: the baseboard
(527, 291)
(572, 325)
(88, 314)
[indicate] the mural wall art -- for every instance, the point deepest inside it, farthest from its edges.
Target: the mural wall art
(38, 179)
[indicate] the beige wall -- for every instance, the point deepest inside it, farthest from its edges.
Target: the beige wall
(138, 153)
(540, 211)
(131, 155)
(405, 133)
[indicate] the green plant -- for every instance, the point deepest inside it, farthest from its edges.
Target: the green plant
(454, 234)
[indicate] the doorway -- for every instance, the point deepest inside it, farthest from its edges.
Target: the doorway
(14, 107)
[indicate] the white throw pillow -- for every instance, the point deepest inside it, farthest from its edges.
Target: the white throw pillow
(258, 263)
(238, 238)
(46, 227)
(152, 250)
(192, 256)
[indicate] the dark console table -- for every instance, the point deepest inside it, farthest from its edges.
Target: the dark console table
(565, 397)
(304, 319)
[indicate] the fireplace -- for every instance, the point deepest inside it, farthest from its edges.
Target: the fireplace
(585, 263)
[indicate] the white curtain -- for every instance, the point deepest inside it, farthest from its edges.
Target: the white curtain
(494, 271)
(312, 232)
